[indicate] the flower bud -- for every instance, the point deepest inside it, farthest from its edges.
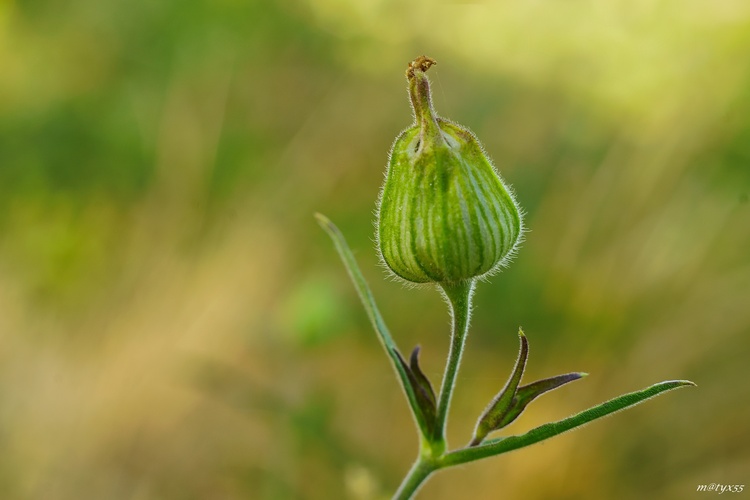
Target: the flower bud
(444, 213)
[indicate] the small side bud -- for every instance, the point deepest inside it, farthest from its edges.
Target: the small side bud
(513, 400)
(444, 215)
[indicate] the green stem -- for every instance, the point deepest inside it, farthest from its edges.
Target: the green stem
(459, 297)
(418, 474)
(432, 453)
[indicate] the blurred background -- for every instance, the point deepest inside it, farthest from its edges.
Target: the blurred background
(174, 324)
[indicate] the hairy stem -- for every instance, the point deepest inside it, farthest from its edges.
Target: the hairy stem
(459, 297)
(417, 475)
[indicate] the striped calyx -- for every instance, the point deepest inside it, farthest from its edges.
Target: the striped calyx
(444, 214)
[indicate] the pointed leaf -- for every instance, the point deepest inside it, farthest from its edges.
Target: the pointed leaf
(424, 382)
(499, 406)
(503, 445)
(425, 410)
(365, 295)
(530, 392)
(533, 390)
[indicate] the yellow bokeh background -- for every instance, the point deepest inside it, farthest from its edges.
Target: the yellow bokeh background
(173, 323)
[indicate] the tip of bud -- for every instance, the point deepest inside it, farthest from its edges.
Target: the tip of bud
(421, 63)
(421, 100)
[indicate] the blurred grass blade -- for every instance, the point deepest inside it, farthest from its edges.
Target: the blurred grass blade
(368, 301)
(502, 445)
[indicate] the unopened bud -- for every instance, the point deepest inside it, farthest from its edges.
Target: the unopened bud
(444, 215)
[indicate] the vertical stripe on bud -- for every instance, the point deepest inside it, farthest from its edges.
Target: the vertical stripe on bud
(444, 213)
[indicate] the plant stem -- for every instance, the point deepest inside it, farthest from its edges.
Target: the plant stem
(459, 297)
(433, 447)
(419, 472)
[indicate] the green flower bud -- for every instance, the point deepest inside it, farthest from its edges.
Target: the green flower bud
(444, 213)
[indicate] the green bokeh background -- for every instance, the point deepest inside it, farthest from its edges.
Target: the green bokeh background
(173, 323)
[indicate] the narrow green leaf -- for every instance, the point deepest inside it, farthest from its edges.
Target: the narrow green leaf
(503, 402)
(498, 446)
(368, 301)
(363, 289)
